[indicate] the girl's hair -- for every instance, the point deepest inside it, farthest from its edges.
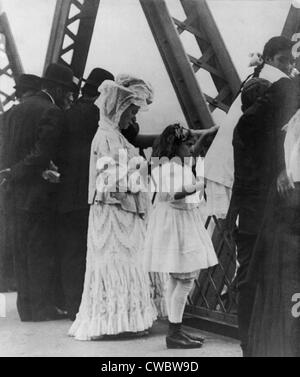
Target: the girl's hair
(272, 47)
(167, 143)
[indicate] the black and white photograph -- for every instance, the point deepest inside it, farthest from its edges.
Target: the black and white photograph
(150, 181)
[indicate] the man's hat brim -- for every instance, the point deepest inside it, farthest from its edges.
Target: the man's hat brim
(25, 86)
(72, 86)
(97, 76)
(28, 81)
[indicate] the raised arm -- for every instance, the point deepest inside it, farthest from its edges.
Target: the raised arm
(202, 135)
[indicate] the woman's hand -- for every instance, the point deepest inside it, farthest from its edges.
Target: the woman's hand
(284, 184)
(4, 177)
(119, 195)
(51, 176)
(190, 190)
(4, 174)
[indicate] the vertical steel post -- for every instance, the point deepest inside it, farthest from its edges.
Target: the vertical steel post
(80, 40)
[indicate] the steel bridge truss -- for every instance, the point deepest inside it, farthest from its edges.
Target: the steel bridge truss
(213, 297)
(71, 34)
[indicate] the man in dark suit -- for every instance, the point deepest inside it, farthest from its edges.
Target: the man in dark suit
(36, 126)
(82, 121)
(257, 136)
(26, 86)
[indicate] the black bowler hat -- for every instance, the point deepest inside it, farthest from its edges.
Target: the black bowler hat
(96, 78)
(26, 81)
(60, 74)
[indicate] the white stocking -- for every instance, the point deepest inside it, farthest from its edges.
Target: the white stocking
(178, 299)
(171, 285)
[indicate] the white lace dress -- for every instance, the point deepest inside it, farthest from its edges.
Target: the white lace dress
(117, 290)
(176, 239)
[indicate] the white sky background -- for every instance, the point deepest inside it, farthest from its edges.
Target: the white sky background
(122, 42)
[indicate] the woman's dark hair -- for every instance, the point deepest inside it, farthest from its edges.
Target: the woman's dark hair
(167, 143)
(272, 47)
(276, 44)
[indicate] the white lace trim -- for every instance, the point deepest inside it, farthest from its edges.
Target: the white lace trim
(116, 300)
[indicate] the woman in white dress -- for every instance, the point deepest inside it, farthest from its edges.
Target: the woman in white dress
(116, 297)
(158, 281)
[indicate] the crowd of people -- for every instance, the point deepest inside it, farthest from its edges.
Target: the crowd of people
(88, 240)
(78, 248)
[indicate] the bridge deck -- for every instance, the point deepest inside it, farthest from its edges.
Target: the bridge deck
(50, 339)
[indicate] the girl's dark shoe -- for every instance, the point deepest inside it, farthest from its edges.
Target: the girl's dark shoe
(196, 338)
(179, 340)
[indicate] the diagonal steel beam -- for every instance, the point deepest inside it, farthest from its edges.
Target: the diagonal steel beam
(292, 23)
(291, 30)
(191, 99)
(201, 23)
(10, 63)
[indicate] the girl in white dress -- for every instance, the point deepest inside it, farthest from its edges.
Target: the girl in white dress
(116, 297)
(176, 240)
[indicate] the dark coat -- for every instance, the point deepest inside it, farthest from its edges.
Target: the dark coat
(4, 134)
(259, 151)
(81, 125)
(7, 234)
(3, 164)
(31, 135)
(275, 262)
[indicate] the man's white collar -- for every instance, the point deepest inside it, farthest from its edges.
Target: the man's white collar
(272, 74)
(49, 95)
